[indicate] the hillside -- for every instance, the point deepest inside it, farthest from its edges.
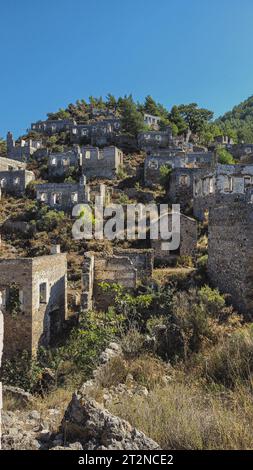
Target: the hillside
(240, 119)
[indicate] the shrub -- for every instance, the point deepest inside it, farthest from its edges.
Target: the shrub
(165, 172)
(132, 343)
(212, 299)
(231, 362)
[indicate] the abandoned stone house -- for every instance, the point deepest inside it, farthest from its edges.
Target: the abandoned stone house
(23, 150)
(7, 164)
(102, 112)
(155, 139)
(188, 240)
(223, 140)
(180, 187)
(63, 196)
(60, 164)
(101, 163)
(241, 151)
(151, 121)
(227, 181)
(176, 160)
(230, 249)
(99, 133)
(126, 269)
(34, 301)
(53, 126)
(15, 181)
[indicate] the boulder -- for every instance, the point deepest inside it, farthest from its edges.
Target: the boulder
(94, 427)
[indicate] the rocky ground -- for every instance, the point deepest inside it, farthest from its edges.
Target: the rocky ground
(86, 424)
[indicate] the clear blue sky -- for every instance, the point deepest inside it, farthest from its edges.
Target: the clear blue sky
(54, 52)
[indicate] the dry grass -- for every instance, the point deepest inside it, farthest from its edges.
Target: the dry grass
(181, 416)
(164, 275)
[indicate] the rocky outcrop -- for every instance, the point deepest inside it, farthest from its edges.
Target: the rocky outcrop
(87, 422)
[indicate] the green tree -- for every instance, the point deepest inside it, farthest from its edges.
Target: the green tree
(3, 148)
(177, 121)
(195, 117)
(61, 114)
(225, 157)
(131, 119)
(111, 101)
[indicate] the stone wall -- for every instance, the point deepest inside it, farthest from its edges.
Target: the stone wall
(226, 182)
(60, 163)
(52, 126)
(15, 181)
(143, 261)
(155, 139)
(7, 164)
(175, 159)
(23, 150)
(104, 163)
(105, 268)
(180, 190)
(188, 241)
(230, 252)
(99, 133)
(40, 297)
(63, 196)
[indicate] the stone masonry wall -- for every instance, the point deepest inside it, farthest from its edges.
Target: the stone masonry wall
(7, 164)
(106, 269)
(188, 241)
(230, 252)
(40, 318)
(143, 261)
(16, 181)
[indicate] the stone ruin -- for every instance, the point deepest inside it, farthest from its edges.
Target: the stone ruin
(151, 121)
(176, 159)
(99, 133)
(188, 242)
(23, 150)
(230, 249)
(101, 163)
(7, 164)
(63, 196)
(53, 126)
(126, 268)
(224, 182)
(33, 293)
(155, 139)
(59, 164)
(15, 181)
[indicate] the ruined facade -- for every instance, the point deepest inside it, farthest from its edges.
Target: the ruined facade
(188, 241)
(226, 181)
(151, 121)
(59, 164)
(230, 250)
(7, 164)
(99, 133)
(155, 139)
(63, 196)
(53, 126)
(124, 268)
(23, 150)
(101, 163)
(174, 159)
(34, 301)
(15, 181)
(181, 182)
